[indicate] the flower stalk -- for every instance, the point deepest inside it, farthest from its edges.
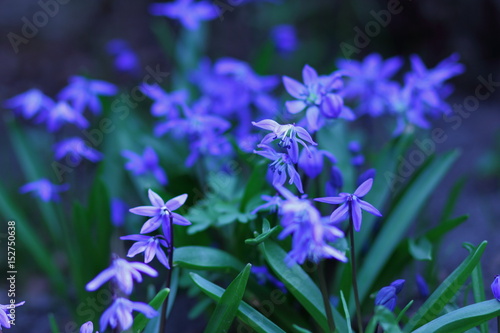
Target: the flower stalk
(354, 274)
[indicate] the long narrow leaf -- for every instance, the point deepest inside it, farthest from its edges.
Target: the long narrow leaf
(205, 258)
(478, 285)
(140, 321)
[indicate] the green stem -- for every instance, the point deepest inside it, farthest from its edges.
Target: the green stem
(163, 319)
(354, 280)
(325, 294)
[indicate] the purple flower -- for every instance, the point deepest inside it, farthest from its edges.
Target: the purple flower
(284, 37)
(281, 166)
(76, 149)
(118, 210)
(88, 327)
(387, 295)
(495, 287)
(125, 59)
(123, 273)
(5, 316)
(161, 212)
(164, 103)
(312, 161)
(60, 114)
(190, 13)
(311, 235)
(150, 245)
(423, 288)
(273, 202)
(30, 103)
(319, 96)
(336, 181)
(351, 205)
(289, 137)
(83, 93)
(44, 189)
(119, 314)
(369, 82)
(148, 162)
(263, 275)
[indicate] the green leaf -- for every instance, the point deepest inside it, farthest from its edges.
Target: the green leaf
(387, 320)
(452, 199)
(477, 285)
(246, 313)
(420, 249)
(205, 258)
(140, 321)
(53, 323)
(399, 220)
(299, 329)
(227, 307)
(299, 284)
(463, 319)
(267, 232)
(346, 311)
(442, 295)
(254, 185)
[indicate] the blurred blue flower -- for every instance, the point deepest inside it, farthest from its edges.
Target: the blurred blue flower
(289, 137)
(75, 149)
(165, 104)
(125, 60)
(150, 245)
(263, 275)
(119, 314)
(319, 96)
(273, 202)
(118, 210)
(387, 296)
(30, 103)
(370, 173)
(311, 161)
(423, 288)
(61, 114)
(148, 162)
(188, 12)
(6, 316)
(335, 183)
(311, 235)
(87, 327)
(281, 166)
(44, 189)
(351, 204)
(84, 93)
(123, 273)
(369, 82)
(495, 287)
(284, 37)
(160, 213)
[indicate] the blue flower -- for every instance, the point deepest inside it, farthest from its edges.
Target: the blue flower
(150, 245)
(369, 82)
(82, 93)
(30, 103)
(351, 204)
(319, 96)
(312, 161)
(44, 189)
(423, 288)
(87, 327)
(5, 316)
(281, 166)
(495, 287)
(60, 114)
(188, 12)
(273, 202)
(311, 235)
(119, 314)
(118, 210)
(161, 212)
(387, 295)
(125, 59)
(284, 37)
(76, 149)
(123, 273)
(165, 104)
(289, 137)
(148, 162)
(263, 275)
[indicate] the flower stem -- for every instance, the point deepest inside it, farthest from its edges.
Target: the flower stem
(325, 294)
(354, 280)
(163, 319)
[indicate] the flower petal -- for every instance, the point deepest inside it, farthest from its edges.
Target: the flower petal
(266, 124)
(151, 224)
(364, 188)
(356, 215)
(180, 220)
(294, 87)
(309, 75)
(331, 200)
(100, 279)
(176, 202)
(369, 208)
(339, 214)
(145, 210)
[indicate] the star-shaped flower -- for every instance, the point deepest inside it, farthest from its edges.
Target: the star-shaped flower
(150, 245)
(119, 314)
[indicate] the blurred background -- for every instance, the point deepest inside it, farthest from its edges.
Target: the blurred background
(44, 42)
